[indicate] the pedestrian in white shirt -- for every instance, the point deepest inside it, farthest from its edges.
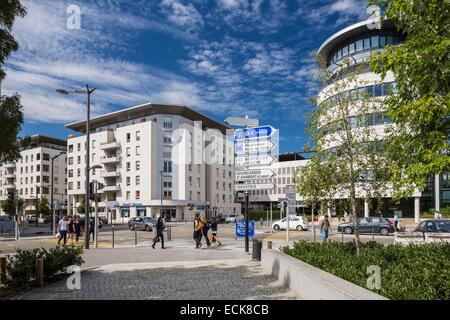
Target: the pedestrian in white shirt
(437, 215)
(63, 225)
(396, 221)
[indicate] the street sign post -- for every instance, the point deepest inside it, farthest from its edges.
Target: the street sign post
(254, 186)
(240, 228)
(251, 147)
(255, 160)
(262, 132)
(253, 174)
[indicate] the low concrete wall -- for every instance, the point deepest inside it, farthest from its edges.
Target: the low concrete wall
(420, 238)
(309, 282)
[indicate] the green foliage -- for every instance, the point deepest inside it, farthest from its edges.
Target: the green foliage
(81, 207)
(21, 267)
(407, 272)
(44, 207)
(257, 215)
(418, 144)
(8, 207)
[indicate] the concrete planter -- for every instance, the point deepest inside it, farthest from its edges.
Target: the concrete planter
(311, 283)
(420, 238)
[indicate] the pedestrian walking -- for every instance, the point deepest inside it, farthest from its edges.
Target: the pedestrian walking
(325, 228)
(70, 228)
(214, 237)
(198, 226)
(396, 221)
(92, 229)
(437, 215)
(205, 229)
(159, 233)
(77, 228)
(345, 217)
(62, 229)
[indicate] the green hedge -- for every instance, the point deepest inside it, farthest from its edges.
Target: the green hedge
(21, 267)
(413, 272)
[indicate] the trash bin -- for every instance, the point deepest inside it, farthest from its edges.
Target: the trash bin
(256, 251)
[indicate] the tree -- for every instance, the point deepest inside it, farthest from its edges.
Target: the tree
(81, 207)
(44, 207)
(11, 114)
(348, 162)
(418, 143)
(9, 207)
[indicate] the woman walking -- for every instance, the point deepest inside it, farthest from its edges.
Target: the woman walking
(214, 232)
(70, 229)
(159, 233)
(77, 228)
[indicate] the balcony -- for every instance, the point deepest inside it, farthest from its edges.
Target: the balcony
(9, 186)
(109, 160)
(109, 145)
(109, 174)
(115, 188)
(9, 165)
(9, 176)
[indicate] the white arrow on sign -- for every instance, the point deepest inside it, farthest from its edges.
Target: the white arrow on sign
(255, 174)
(256, 160)
(255, 186)
(254, 147)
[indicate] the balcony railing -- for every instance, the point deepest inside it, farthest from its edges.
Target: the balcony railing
(10, 165)
(9, 176)
(114, 188)
(109, 174)
(110, 159)
(9, 186)
(109, 145)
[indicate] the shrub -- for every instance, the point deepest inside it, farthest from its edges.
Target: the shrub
(407, 272)
(21, 267)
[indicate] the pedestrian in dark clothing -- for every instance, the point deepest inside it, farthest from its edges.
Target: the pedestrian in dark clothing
(214, 232)
(206, 227)
(92, 229)
(198, 226)
(159, 233)
(77, 226)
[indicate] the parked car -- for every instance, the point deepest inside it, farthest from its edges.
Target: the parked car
(232, 218)
(442, 225)
(31, 219)
(100, 222)
(379, 225)
(141, 223)
(295, 223)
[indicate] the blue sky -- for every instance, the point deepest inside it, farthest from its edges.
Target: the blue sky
(223, 58)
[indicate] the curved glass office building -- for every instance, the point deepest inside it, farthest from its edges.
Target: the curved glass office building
(346, 54)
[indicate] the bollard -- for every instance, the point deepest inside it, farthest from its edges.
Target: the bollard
(269, 244)
(113, 236)
(3, 270)
(40, 272)
(1, 228)
(256, 251)
(135, 236)
(342, 235)
(373, 235)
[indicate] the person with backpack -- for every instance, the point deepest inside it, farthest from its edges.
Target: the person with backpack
(159, 233)
(205, 229)
(198, 226)
(214, 232)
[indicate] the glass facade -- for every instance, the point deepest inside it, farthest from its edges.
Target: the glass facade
(370, 119)
(367, 42)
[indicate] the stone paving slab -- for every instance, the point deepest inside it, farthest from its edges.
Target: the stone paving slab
(239, 279)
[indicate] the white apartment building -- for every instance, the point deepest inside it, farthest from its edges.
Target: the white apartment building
(285, 170)
(144, 152)
(31, 174)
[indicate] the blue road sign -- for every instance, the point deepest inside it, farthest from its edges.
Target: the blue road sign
(240, 228)
(254, 133)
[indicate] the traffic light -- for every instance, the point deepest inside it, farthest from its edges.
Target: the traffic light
(100, 186)
(11, 195)
(91, 190)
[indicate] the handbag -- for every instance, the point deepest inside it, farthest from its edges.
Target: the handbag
(58, 235)
(156, 239)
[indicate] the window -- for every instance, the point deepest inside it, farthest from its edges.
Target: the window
(45, 168)
(38, 168)
(382, 41)
(70, 148)
(138, 135)
(167, 123)
(138, 165)
(31, 158)
(128, 137)
(138, 195)
(167, 166)
(359, 45)
(70, 161)
(345, 51)
(38, 179)
(78, 160)
(128, 151)
(128, 195)
(128, 181)
(198, 182)
(93, 157)
(138, 180)
(138, 150)
(367, 43)
(79, 147)
(78, 172)
(167, 184)
(190, 181)
(78, 185)
(351, 47)
(375, 41)
(167, 139)
(390, 40)
(93, 144)
(128, 166)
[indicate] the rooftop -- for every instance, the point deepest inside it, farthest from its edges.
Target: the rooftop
(148, 109)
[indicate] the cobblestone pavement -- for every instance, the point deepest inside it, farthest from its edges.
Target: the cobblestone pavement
(238, 279)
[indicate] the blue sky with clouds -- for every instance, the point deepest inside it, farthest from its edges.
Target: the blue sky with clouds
(223, 57)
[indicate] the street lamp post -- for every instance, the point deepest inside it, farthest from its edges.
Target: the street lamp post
(161, 207)
(52, 206)
(87, 92)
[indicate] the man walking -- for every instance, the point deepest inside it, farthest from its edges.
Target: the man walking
(62, 229)
(396, 220)
(159, 233)
(325, 228)
(206, 227)
(198, 226)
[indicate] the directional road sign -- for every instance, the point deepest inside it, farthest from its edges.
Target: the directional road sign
(255, 160)
(251, 147)
(253, 186)
(254, 133)
(254, 174)
(240, 228)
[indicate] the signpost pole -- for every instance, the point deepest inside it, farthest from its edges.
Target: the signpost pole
(270, 225)
(246, 223)
(287, 216)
